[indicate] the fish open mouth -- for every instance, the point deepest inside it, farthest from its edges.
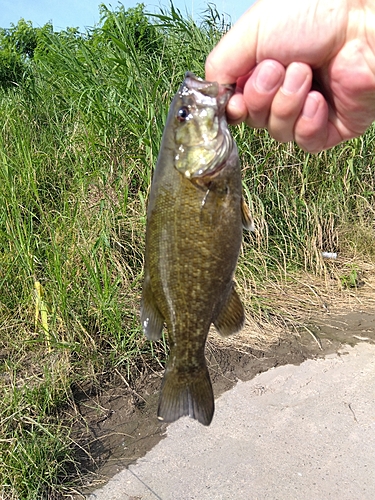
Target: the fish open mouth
(203, 140)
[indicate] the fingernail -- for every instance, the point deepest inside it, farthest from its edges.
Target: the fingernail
(311, 106)
(268, 77)
(295, 77)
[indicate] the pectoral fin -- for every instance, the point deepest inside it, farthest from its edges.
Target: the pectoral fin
(247, 219)
(231, 317)
(151, 319)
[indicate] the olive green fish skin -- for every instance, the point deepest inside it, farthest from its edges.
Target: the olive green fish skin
(193, 239)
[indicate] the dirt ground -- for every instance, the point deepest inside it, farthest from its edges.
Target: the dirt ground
(119, 425)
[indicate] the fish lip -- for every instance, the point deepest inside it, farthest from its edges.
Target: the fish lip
(222, 92)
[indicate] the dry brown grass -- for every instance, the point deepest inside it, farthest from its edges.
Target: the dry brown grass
(285, 307)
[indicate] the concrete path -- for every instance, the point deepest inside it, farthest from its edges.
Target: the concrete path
(294, 432)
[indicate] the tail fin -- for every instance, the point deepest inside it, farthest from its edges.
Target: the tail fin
(186, 394)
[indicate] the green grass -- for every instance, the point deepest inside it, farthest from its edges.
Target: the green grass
(79, 138)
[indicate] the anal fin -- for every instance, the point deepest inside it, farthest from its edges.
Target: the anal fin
(231, 317)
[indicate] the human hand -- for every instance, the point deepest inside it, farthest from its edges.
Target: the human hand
(304, 70)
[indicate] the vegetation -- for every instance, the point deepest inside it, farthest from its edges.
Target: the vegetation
(81, 120)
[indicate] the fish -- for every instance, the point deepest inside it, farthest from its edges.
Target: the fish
(194, 225)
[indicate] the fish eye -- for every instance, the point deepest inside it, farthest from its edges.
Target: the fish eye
(182, 113)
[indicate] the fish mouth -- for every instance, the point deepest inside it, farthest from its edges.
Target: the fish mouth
(203, 139)
(222, 92)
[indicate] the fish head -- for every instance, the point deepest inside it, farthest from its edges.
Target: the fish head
(201, 136)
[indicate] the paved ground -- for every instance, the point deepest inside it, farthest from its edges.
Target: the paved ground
(293, 432)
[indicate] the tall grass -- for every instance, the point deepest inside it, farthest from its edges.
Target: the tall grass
(77, 146)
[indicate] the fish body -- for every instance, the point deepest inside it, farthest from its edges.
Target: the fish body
(193, 239)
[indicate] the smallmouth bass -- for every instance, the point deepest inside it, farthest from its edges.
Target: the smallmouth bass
(193, 238)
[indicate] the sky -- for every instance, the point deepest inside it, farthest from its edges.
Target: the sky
(85, 13)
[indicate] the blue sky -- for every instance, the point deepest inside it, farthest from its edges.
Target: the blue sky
(85, 13)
